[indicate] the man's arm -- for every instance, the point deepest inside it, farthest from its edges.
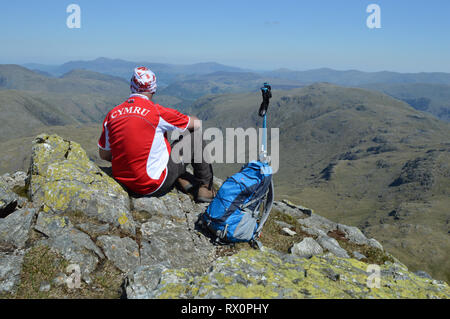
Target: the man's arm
(105, 155)
(194, 123)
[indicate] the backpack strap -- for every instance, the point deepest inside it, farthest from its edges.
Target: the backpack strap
(267, 209)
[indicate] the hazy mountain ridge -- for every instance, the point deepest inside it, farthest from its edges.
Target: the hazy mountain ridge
(121, 68)
(424, 91)
(29, 100)
(356, 78)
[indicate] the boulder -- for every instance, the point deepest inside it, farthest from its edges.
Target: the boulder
(353, 234)
(313, 231)
(332, 246)
(15, 228)
(291, 209)
(64, 180)
(317, 222)
(308, 247)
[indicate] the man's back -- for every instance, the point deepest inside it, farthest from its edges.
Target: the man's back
(135, 133)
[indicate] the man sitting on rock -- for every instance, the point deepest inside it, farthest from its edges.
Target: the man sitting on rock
(134, 140)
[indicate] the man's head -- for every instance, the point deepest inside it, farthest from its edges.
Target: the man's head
(143, 81)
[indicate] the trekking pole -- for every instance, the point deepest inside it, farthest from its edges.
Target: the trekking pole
(266, 91)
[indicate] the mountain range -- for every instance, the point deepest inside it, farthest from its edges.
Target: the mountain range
(424, 91)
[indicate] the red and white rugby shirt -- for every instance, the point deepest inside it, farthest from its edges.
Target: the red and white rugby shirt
(135, 133)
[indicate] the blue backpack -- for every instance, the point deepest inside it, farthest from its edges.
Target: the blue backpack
(235, 214)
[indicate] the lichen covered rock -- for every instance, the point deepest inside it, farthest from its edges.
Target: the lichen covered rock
(269, 274)
(64, 180)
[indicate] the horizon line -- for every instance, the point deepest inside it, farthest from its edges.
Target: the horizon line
(245, 69)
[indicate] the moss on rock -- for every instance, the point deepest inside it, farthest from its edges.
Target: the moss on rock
(269, 274)
(64, 180)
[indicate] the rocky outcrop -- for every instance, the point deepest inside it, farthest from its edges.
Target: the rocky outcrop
(64, 181)
(156, 249)
(270, 274)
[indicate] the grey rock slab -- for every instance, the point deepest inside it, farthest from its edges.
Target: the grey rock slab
(142, 281)
(10, 268)
(332, 246)
(313, 231)
(374, 243)
(73, 244)
(52, 225)
(187, 204)
(151, 205)
(94, 229)
(308, 247)
(12, 180)
(15, 228)
(304, 210)
(55, 226)
(175, 245)
(353, 234)
(317, 222)
(289, 210)
(358, 255)
(174, 206)
(423, 274)
(122, 252)
(8, 200)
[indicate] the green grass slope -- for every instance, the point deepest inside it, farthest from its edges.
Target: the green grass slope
(427, 97)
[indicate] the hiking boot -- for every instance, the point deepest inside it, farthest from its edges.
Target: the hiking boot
(205, 194)
(185, 185)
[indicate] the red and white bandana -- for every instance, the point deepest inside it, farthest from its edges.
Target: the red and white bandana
(143, 81)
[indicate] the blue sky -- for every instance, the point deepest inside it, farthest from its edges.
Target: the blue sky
(259, 34)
